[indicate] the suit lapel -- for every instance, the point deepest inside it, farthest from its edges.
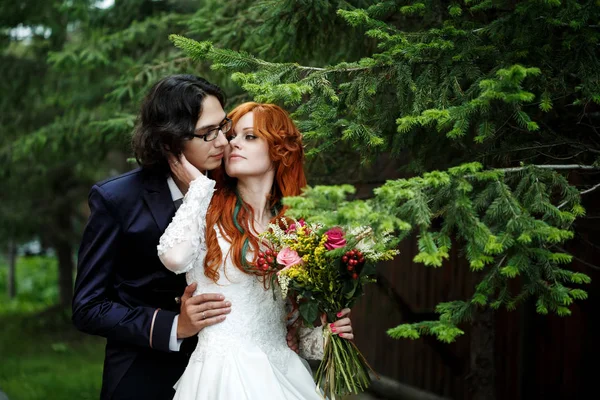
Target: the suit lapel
(158, 199)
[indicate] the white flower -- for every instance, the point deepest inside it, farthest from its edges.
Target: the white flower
(284, 283)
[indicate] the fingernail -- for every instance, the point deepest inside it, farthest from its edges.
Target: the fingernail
(221, 297)
(339, 314)
(227, 303)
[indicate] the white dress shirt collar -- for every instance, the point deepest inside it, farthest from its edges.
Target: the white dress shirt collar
(175, 192)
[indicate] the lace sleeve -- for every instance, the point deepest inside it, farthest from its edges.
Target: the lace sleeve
(311, 343)
(182, 244)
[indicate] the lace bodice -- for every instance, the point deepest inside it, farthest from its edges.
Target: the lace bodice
(256, 318)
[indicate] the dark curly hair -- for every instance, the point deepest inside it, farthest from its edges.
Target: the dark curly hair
(168, 117)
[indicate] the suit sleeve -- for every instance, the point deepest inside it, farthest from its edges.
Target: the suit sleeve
(94, 311)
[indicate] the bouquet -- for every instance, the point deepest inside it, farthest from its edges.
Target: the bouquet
(323, 270)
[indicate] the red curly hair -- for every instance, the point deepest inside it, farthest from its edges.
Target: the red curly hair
(273, 124)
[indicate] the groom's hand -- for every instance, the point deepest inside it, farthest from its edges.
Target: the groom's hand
(293, 324)
(292, 337)
(198, 312)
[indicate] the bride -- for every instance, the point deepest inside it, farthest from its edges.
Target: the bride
(246, 356)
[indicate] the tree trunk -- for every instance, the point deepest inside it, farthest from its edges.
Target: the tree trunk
(65, 272)
(62, 245)
(11, 283)
(481, 377)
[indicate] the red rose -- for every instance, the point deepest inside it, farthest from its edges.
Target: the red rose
(335, 239)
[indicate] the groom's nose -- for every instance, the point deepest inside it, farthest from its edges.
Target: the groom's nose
(221, 140)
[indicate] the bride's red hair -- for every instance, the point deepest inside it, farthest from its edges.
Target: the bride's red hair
(273, 124)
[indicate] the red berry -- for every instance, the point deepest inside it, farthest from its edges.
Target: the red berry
(345, 259)
(261, 260)
(265, 267)
(350, 267)
(269, 252)
(270, 260)
(352, 253)
(355, 276)
(353, 262)
(361, 260)
(359, 254)
(261, 255)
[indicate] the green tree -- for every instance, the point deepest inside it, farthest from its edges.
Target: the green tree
(60, 60)
(496, 102)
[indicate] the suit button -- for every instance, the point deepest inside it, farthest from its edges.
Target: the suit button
(178, 300)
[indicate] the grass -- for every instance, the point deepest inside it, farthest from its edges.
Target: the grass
(42, 356)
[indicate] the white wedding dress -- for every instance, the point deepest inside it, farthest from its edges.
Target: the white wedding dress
(246, 356)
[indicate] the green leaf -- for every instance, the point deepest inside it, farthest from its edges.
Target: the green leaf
(309, 311)
(404, 331)
(546, 102)
(509, 271)
(540, 307)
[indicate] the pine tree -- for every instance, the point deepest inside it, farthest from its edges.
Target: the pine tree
(486, 96)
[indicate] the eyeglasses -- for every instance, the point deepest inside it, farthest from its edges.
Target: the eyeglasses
(212, 134)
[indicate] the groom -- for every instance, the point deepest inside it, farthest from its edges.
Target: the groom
(122, 290)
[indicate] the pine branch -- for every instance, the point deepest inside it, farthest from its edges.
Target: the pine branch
(590, 189)
(551, 166)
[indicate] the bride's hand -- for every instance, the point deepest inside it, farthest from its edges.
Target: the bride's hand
(343, 326)
(183, 170)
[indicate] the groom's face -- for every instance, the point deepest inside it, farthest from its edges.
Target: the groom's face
(207, 155)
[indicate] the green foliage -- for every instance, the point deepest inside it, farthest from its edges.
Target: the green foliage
(43, 353)
(474, 77)
(36, 281)
(509, 224)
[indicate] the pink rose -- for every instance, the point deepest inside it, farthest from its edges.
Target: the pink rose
(288, 257)
(293, 227)
(335, 239)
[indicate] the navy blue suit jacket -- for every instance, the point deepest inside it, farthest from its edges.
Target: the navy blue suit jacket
(121, 283)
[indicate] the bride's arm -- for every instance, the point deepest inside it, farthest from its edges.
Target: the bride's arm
(311, 343)
(183, 241)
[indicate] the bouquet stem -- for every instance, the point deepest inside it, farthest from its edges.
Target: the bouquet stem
(343, 369)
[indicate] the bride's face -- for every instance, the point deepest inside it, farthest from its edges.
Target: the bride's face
(247, 154)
